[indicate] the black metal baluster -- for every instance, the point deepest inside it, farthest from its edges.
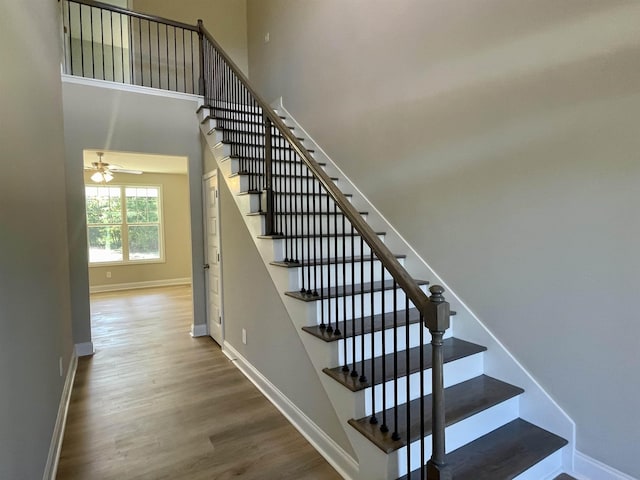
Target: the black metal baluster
(70, 39)
(319, 240)
(93, 54)
(373, 420)
(337, 331)
(141, 61)
(395, 436)
(175, 54)
(166, 37)
(104, 77)
(345, 368)
(81, 40)
(408, 369)
(354, 371)
(122, 47)
(421, 372)
(159, 62)
(329, 328)
(310, 219)
(318, 213)
(113, 50)
(184, 64)
(384, 428)
(363, 377)
(193, 64)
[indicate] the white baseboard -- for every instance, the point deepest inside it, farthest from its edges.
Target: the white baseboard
(587, 468)
(325, 445)
(199, 330)
(84, 349)
(51, 467)
(114, 287)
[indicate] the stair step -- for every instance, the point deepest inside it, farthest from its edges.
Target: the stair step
(275, 160)
(461, 401)
(288, 214)
(347, 290)
(250, 122)
(249, 133)
(502, 454)
(324, 235)
(273, 147)
(369, 325)
(275, 175)
(453, 349)
(330, 261)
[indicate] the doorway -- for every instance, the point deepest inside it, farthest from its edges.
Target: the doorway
(213, 266)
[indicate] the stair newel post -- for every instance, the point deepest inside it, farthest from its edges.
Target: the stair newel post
(437, 320)
(268, 178)
(201, 81)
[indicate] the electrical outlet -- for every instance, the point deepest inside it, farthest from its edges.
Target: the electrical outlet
(244, 336)
(60, 365)
(108, 274)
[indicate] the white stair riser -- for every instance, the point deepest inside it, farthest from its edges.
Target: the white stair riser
(330, 305)
(257, 151)
(414, 341)
(236, 107)
(288, 249)
(239, 125)
(305, 224)
(330, 275)
(459, 434)
(250, 137)
(454, 372)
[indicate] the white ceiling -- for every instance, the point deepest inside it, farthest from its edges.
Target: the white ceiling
(148, 163)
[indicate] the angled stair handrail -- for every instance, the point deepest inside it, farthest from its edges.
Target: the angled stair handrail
(399, 273)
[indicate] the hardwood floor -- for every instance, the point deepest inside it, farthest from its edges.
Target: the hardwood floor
(154, 403)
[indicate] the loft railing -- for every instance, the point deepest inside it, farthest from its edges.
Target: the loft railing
(106, 42)
(323, 234)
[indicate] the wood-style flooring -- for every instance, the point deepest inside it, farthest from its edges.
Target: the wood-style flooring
(154, 403)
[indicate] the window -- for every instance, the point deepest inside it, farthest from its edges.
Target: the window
(124, 224)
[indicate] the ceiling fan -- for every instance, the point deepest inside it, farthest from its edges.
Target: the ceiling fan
(103, 171)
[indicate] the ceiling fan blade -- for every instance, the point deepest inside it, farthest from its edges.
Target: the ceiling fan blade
(124, 170)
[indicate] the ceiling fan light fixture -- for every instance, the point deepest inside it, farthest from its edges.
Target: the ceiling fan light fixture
(107, 176)
(97, 177)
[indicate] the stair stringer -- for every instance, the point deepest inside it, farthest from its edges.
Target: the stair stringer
(536, 405)
(373, 464)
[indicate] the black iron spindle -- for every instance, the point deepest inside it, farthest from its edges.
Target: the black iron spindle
(363, 377)
(395, 436)
(384, 428)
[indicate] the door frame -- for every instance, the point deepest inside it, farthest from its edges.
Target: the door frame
(205, 181)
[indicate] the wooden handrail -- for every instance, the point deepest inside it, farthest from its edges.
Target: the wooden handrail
(131, 13)
(388, 259)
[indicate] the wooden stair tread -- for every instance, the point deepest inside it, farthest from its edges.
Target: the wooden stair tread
(453, 349)
(324, 235)
(250, 122)
(502, 454)
(369, 325)
(345, 290)
(323, 213)
(253, 145)
(461, 401)
(274, 160)
(245, 132)
(302, 177)
(329, 261)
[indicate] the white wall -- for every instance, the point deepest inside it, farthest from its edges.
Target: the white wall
(501, 139)
(35, 314)
(104, 118)
(273, 346)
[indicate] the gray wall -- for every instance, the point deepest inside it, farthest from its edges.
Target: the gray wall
(35, 317)
(501, 139)
(273, 345)
(109, 119)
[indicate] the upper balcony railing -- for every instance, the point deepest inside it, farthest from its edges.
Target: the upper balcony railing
(115, 44)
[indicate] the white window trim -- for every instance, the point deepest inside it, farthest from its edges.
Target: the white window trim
(124, 224)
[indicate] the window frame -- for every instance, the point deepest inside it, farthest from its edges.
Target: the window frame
(124, 226)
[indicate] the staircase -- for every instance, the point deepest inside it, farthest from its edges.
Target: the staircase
(364, 333)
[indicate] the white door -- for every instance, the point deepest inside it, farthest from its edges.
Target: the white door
(213, 267)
